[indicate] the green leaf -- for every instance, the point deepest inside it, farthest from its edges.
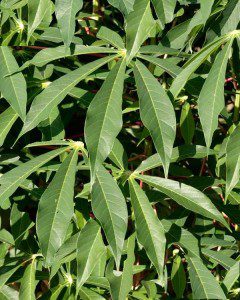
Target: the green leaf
(202, 15)
(178, 277)
(164, 10)
(48, 55)
(6, 272)
(192, 64)
(65, 12)
(211, 98)
(121, 282)
(227, 22)
(186, 196)
(125, 6)
(88, 294)
(157, 113)
(220, 258)
(110, 37)
(118, 155)
(232, 276)
(187, 124)
(109, 207)
(13, 88)
(7, 119)
(104, 117)
(232, 160)
(37, 10)
(204, 285)
(56, 208)
(178, 154)
(182, 237)
(139, 23)
(49, 98)
(150, 231)
(27, 289)
(6, 237)
(52, 128)
(8, 293)
(20, 223)
(11, 180)
(172, 69)
(90, 248)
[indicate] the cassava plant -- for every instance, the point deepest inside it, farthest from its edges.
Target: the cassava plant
(120, 149)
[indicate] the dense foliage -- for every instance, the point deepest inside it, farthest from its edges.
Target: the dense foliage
(120, 149)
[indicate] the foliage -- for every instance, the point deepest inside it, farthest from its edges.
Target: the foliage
(120, 144)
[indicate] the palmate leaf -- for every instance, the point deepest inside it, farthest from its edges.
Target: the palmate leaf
(164, 10)
(66, 11)
(185, 195)
(118, 155)
(28, 285)
(178, 154)
(178, 277)
(232, 160)
(56, 208)
(139, 23)
(11, 180)
(182, 237)
(150, 231)
(104, 117)
(90, 248)
(49, 98)
(231, 277)
(48, 55)
(20, 223)
(211, 98)
(157, 113)
(111, 37)
(192, 64)
(109, 207)
(203, 283)
(121, 282)
(37, 9)
(13, 88)
(7, 119)
(8, 293)
(7, 271)
(125, 6)
(187, 124)
(172, 69)
(228, 21)
(89, 294)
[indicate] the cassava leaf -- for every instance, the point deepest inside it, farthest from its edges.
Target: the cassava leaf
(232, 161)
(90, 248)
(11, 180)
(186, 196)
(107, 104)
(154, 103)
(13, 88)
(203, 283)
(49, 98)
(150, 232)
(211, 98)
(28, 283)
(7, 119)
(125, 6)
(56, 208)
(66, 12)
(110, 209)
(139, 23)
(164, 10)
(37, 9)
(121, 282)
